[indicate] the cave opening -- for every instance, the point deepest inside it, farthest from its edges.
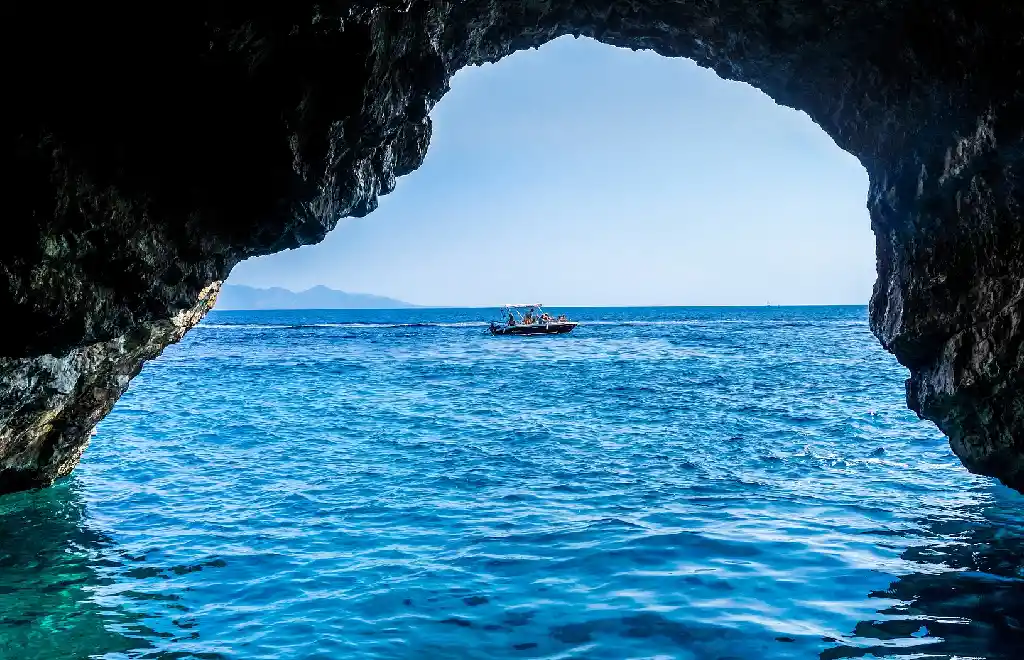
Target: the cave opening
(647, 180)
(783, 515)
(382, 426)
(139, 200)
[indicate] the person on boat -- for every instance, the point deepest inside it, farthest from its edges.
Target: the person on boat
(545, 318)
(528, 319)
(561, 318)
(511, 319)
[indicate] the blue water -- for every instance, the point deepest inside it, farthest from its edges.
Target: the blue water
(662, 483)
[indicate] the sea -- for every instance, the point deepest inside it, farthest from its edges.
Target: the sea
(691, 483)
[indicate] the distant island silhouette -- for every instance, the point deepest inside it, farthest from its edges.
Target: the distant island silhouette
(241, 297)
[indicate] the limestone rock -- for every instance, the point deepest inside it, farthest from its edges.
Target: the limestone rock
(49, 404)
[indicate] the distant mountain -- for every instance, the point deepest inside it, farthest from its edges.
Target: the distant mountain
(238, 296)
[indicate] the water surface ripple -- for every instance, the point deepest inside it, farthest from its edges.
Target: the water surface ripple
(662, 483)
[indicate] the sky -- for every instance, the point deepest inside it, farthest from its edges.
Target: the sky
(579, 174)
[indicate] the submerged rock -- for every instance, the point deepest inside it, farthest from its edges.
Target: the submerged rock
(148, 153)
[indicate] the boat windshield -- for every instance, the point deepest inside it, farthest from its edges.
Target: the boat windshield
(527, 315)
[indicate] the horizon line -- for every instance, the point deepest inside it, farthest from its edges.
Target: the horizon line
(417, 306)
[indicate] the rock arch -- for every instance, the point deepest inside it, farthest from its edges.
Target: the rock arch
(153, 149)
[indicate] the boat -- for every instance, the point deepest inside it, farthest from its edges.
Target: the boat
(530, 320)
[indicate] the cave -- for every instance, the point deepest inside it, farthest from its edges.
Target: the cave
(150, 152)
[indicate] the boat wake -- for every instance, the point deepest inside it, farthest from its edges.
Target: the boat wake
(354, 324)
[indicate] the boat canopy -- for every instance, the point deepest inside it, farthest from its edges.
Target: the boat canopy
(522, 306)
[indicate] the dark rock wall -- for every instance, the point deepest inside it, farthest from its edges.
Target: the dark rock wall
(151, 148)
(50, 403)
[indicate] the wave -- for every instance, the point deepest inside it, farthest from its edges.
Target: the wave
(240, 326)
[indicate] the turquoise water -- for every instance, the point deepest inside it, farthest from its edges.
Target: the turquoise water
(662, 483)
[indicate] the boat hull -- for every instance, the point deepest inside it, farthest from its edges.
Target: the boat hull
(534, 329)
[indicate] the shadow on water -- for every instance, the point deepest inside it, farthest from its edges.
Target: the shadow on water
(62, 585)
(966, 600)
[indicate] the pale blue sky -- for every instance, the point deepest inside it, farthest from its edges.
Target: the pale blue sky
(581, 174)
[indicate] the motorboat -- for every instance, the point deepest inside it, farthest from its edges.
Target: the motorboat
(530, 320)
